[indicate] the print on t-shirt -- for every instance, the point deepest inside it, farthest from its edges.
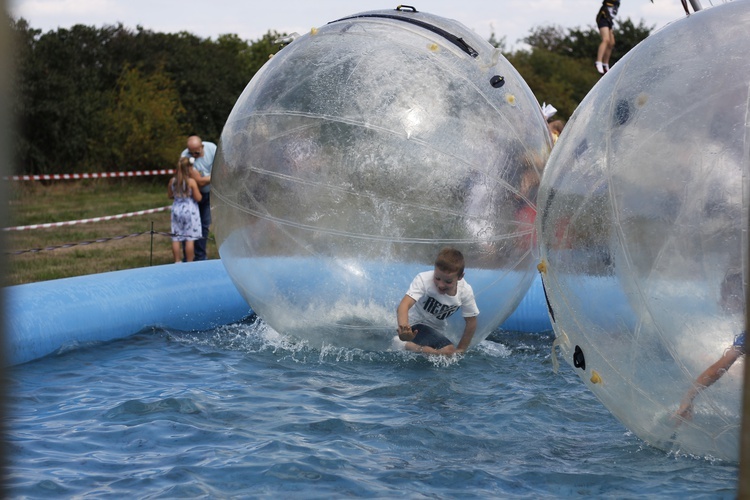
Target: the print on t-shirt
(440, 311)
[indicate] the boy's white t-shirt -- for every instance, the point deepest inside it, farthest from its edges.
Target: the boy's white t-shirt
(433, 308)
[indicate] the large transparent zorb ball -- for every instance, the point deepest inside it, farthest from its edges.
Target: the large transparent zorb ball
(355, 154)
(643, 216)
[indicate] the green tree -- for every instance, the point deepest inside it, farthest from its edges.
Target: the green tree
(209, 75)
(21, 102)
(559, 66)
(558, 80)
(67, 78)
(78, 110)
(59, 86)
(549, 38)
(578, 43)
(143, 126)
(498, 43)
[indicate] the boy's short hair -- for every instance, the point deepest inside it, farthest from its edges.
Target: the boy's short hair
(450, 260)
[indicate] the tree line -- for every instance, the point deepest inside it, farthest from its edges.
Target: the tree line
(116, 99)
(559, 67)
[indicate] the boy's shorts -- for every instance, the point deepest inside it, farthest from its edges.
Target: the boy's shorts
(427, 336)
(739, 342)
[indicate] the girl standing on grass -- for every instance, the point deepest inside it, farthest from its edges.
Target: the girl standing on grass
(186, 219)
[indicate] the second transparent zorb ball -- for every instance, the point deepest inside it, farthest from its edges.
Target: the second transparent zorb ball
(643, 214)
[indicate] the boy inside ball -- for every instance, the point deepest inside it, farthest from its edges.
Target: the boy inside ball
(437, 294)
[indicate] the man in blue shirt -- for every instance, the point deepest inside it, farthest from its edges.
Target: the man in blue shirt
(202, 154)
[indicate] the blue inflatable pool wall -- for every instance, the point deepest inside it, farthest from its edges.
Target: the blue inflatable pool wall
(45, 317)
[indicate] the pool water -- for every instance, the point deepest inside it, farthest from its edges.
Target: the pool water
(242, 411)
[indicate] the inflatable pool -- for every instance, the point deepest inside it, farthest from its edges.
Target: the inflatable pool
(49, 316)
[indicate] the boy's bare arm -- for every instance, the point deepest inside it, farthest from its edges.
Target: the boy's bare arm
(705, 379)
(471, 327)
(405, 332)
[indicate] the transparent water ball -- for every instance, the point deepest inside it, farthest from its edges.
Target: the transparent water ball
(358, 152)
(643, 229)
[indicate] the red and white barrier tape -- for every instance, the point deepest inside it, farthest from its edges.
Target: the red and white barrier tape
(86, 221)
(100, 175)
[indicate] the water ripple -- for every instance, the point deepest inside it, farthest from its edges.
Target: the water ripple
(242, 411)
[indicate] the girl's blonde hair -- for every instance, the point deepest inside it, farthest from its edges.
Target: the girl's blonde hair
(182, 174)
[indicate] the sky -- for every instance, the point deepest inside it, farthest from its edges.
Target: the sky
(251, 19)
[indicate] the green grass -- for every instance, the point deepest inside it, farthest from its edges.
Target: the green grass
(35, 203)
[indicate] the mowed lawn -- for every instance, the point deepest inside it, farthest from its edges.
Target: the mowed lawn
(33, 254)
